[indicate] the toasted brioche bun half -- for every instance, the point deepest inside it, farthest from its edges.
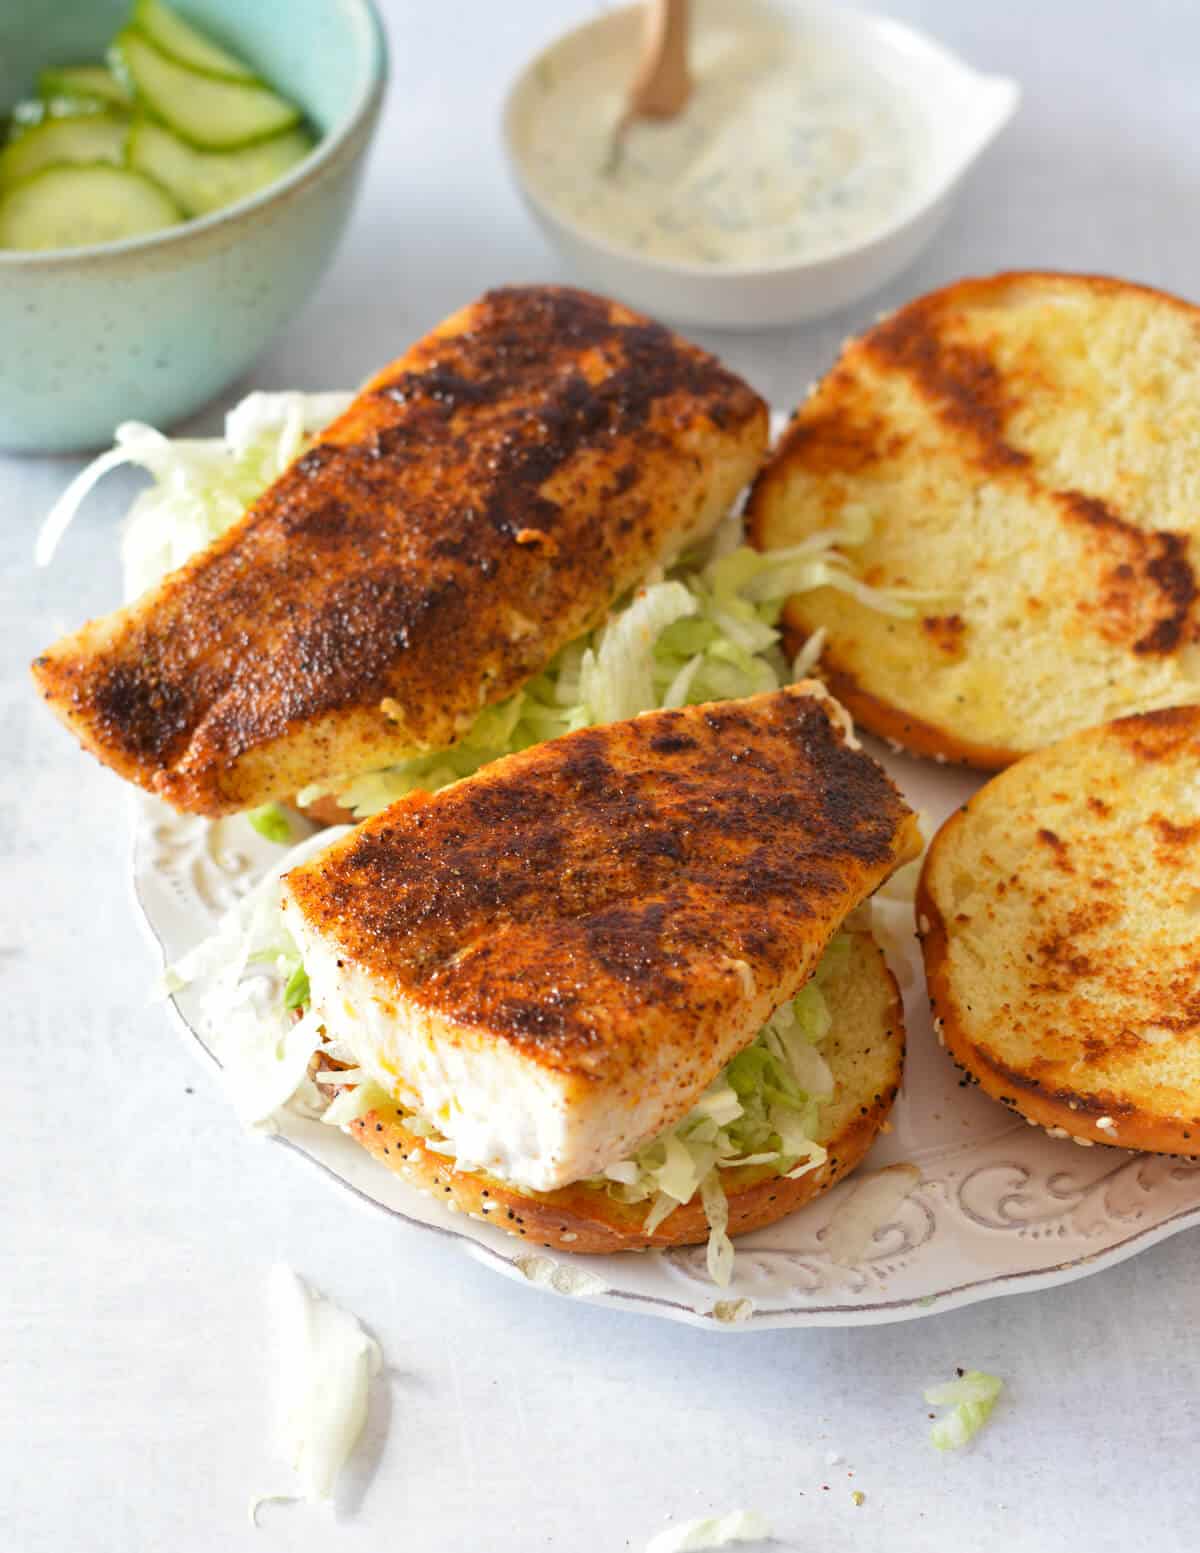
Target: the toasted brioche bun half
(864, 1048)
(1027, 450)
(1059, 914)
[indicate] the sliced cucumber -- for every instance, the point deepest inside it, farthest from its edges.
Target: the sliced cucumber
(33, 111)
(25, 115)
(179, 41)
(82, 83)
(88, 137)
(212, 114)
(73, 207)
(203, 181)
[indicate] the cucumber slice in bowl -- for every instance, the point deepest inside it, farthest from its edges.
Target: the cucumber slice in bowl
(212, 114)
(179, 41)
(83, 83)
(30, 112)
(85, 137)
(74, 207)
(204, 181)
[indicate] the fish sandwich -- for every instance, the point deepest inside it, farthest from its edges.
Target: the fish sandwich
(598, 993)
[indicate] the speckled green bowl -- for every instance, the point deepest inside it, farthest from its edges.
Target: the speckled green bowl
(153, 328)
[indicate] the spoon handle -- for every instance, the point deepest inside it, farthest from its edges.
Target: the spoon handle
(662, 83)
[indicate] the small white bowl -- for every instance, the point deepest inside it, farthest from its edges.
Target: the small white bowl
(963, 111)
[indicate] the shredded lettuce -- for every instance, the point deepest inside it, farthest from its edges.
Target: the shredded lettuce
(296, 993)
(711, 1531)
(271, 822)
(686, 639)
(970, 1399)
(360, 1096)
(252, 988)
(706, 632)
(762, 1109)
(326, 1362)
(201, 485)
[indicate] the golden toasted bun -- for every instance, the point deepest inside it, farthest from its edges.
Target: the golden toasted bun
(1059, 914)
(865, 1049)
(1027, 449)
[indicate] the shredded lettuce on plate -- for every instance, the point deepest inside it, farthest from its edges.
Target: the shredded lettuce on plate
(762, 1109)
(253, 990)
(271, 822)
(706, 631)
(970, 1399)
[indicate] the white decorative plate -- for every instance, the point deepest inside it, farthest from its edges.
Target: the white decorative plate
(1001, 1206)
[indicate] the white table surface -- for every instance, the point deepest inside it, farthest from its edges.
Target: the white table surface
(139, 1221)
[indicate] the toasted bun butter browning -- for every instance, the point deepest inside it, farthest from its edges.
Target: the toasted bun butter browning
(484, 501)
(1060, 916)
(1025, 450)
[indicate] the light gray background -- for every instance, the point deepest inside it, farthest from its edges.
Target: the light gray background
(139, 1221)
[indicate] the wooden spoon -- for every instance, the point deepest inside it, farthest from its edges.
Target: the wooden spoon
(661, 84)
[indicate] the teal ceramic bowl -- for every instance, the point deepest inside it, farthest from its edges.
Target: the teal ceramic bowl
(153, 328)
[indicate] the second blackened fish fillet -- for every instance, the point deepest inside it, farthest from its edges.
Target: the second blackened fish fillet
(484, 501)
(552, 959)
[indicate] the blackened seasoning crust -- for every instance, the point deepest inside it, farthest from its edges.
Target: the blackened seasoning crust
(483, 501)
(576, 899)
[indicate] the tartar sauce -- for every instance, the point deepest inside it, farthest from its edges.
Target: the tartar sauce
(788, 149)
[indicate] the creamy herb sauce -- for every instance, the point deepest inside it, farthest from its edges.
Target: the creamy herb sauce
(788, 149)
